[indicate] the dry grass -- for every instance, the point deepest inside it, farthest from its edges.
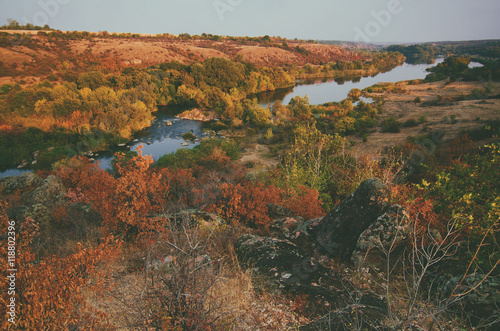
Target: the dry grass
(403, 107)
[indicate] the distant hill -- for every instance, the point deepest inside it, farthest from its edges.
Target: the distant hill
(352, 45)
(41, 53)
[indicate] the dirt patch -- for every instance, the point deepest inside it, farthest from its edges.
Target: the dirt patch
(258, 158)
(267, 55)
(13, 57)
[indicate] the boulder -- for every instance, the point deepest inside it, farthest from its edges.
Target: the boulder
(337, 233)
(11, 184)
(49, 193)
(385, 238)
(287, 225)
(38, 202)
(303, 235)
(284, 263)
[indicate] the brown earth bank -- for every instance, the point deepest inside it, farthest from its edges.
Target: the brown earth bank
(33, 54)
(452, 117)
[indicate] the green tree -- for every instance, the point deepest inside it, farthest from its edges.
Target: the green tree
(256, 115)
(309, 157)
(92, 80)
(300, 107)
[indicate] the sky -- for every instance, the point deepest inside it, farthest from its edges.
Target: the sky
(349, 20)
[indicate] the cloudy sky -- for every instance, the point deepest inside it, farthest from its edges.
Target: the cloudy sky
(369, 20)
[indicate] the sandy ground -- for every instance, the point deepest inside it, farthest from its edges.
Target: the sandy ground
(259, 156)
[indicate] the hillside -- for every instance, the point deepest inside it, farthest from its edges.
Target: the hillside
(30, 55)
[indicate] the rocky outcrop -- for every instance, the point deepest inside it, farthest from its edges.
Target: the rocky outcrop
(286, 225)
(198, 115)
(337, 233)
(11, 184)
(385, 238)
(48, 193)
(39, 195)
(284, 263)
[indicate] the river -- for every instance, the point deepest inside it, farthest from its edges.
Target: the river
(160, 138)
(321, 91)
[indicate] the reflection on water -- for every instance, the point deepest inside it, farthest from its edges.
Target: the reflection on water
(320, 91)
(164, 136)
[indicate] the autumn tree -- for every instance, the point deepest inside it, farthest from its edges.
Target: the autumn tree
(49, 291)
(308, 159)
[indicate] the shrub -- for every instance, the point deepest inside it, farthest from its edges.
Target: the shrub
(188, 136)
(391, 125)
(410, 123)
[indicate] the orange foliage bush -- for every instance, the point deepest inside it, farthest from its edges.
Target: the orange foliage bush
(124, 202)
(247, 202)
(136, 193)
(49, 292)
(91, 182)
(420, 210)
(305, 203)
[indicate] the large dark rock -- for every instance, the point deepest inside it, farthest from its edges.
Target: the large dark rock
(39, 196)
(286, 264)
(384, 239)
(337, 233)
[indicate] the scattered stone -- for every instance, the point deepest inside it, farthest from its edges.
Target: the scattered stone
(23, 164)
(198, 115)
(286, 264)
